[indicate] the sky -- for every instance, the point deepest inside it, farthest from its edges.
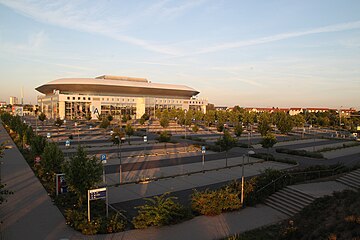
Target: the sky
(260, 53)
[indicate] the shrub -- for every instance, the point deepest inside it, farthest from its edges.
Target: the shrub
(303, 153)
(164, 137)
(214, 202)
(159, 211)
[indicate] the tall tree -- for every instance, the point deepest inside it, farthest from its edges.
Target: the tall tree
(129, 130)
(264, 123)
(52, 160)
(238, 130)
(285, 123)
(267, 142)
(226, 142)
(82, 173)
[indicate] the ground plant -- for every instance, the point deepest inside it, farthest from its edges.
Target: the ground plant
(159, 211)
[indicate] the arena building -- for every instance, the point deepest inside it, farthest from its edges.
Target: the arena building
(69, 98)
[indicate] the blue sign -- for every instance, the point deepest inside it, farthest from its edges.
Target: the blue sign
(99, 193)
(67, 143)
(203, 149)
(103, 158)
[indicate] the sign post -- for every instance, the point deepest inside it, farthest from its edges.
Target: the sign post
(48, 135)
(60, 183)
(95, 194)
(145, 141)
(203, 150)
(103, 160)
(67, 143)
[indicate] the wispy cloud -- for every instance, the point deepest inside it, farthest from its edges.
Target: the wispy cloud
(279, 37)
(69, 16)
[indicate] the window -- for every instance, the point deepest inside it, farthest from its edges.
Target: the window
(73, 98)
(89, 98)
(84, 98)
(68, 98)
(102, 99)
(78, 98)
(107, 99)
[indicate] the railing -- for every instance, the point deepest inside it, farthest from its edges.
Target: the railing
(292, 178)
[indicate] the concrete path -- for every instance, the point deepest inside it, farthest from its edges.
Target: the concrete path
(341, 152)
(29, 213)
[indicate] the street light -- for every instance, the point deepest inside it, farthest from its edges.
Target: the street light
(242, 176)
(119, 142)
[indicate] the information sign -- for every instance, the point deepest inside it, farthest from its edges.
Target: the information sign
(103, 158)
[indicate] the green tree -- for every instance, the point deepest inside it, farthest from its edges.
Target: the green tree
(104, 123)
(195, 128)
(267, 142)
(51, 162)
(298, 120)
(37, 145)
(3, 191)
(209, 117)
(285, 123)
(42, 117)
(264, 123)
(238, 130)
(129, 130)
(117, 135)
(109, 118)
(164, 119)
(58, 122)
(82, 173)
(226, 142)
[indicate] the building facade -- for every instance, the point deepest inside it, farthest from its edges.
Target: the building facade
(69, 98)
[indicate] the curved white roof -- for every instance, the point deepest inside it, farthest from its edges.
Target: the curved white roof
(115, 86)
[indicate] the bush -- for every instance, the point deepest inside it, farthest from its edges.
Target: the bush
(164, 137)
(214, 202)
(303, 153)
(159, 211)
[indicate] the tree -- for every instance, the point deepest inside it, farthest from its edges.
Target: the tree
(238, 130)
(37, 144)
(285, 123)
(109, 118)
(42, 117)
(3, 191)
(267, 142)
(209, 117)
(129, 130)
(298, 120)
(264, 123)
(195, 128)
(117, 135)
(226, 142)
(52, 160)
(58, 122)
(104, 123)
(82, 173)
(164, 119)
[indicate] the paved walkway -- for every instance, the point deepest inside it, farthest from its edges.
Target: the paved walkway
(29, 213)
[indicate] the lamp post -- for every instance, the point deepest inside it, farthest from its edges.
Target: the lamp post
(243, 177)
(120, 141)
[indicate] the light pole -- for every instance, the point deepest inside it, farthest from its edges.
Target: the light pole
(243, 177)
(119, 141)
(340, 116)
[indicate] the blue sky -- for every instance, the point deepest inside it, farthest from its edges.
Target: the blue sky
(248, 53)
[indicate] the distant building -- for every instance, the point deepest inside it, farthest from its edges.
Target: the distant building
(13, 100)
(114, 95)
(2, 104)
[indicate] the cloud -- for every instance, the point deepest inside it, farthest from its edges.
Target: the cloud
(71, 16)
(279, 37)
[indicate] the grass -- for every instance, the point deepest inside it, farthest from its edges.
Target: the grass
(340, 147)
(303, 153)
